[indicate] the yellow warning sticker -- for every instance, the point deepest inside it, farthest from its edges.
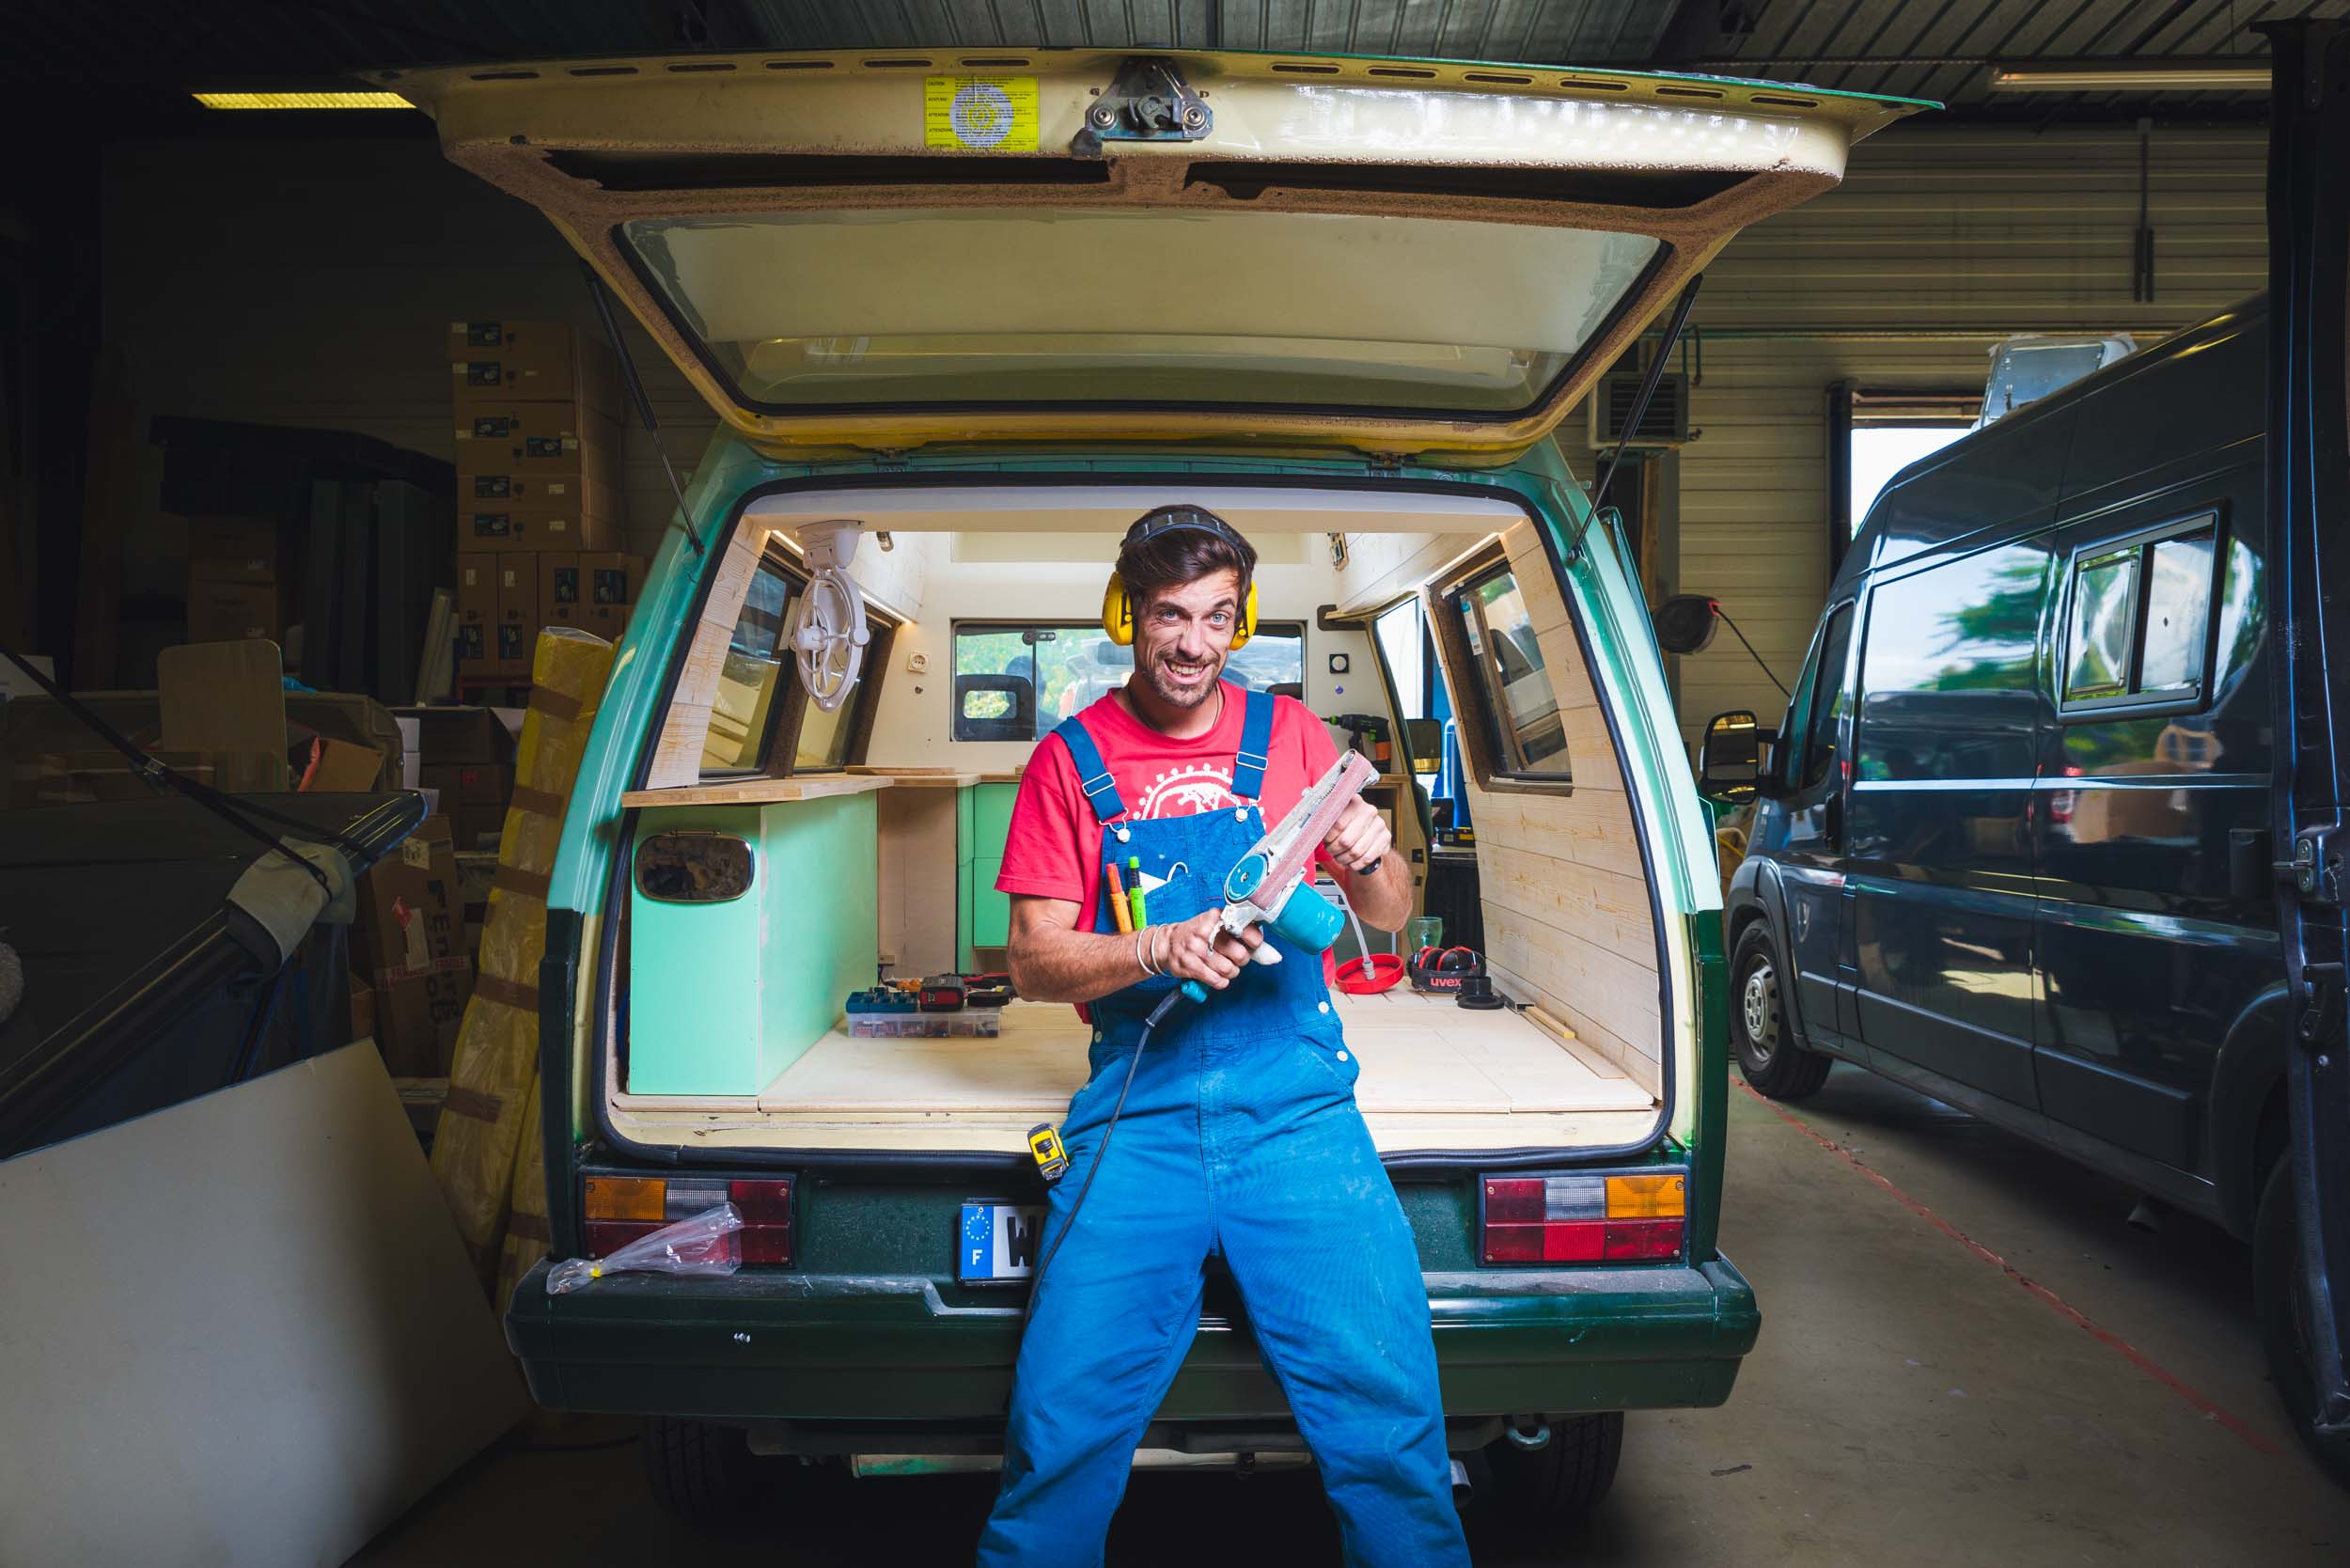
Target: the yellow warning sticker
(979, 114)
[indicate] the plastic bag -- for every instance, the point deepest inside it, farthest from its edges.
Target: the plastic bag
(702, 1246)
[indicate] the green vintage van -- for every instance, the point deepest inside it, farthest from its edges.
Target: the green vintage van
(965, 317)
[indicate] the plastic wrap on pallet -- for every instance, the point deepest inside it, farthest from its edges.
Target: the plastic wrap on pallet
(492, 1086)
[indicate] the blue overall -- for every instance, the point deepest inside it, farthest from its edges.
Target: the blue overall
(1240, 1139)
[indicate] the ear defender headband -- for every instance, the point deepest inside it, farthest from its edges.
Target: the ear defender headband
(1117, 611)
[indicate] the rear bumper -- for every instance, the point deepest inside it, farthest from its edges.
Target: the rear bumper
(784, 1347)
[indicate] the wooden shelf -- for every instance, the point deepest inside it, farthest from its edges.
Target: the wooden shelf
(767, 791)
(757, 792)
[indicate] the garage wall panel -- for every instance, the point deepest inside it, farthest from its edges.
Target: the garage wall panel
(1940, 241)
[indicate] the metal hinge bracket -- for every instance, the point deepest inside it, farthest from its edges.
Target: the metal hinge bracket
(1147, 100)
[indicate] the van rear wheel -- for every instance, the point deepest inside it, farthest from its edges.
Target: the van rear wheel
(1759, 1029)
(2281, 1303)
(1565, 1478)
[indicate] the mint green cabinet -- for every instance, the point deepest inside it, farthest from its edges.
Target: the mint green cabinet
(982, 915)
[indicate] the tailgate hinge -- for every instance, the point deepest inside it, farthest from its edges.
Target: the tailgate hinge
(1147, 100)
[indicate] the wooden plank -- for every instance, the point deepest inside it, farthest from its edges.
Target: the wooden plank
(286, 1359)
(755, 792)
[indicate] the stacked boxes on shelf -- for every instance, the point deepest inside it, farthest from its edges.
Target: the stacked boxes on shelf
(538, 490)
(237, 579)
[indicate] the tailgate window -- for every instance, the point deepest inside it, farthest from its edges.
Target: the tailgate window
(801, 312)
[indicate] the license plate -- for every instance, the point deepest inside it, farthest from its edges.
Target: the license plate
(997, 1243)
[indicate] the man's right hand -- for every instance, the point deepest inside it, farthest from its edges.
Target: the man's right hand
(1200, 948)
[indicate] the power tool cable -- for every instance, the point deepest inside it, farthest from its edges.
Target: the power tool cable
(1142, 1043)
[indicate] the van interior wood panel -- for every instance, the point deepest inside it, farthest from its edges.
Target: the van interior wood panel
(1421, 1054)
(915, 900)
(254, 1303)
(1567, 923)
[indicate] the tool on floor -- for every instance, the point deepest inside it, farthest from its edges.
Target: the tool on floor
(991, 990)
(1444, 970)
(1478, 995)
(940, 993)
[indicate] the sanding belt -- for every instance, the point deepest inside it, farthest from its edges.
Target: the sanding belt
(519, 882)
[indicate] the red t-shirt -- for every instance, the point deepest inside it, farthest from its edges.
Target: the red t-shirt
(1054, 846)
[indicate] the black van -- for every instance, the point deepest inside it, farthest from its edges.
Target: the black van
(2014, 845)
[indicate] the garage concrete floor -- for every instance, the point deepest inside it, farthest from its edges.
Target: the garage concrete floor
(1912, 1400)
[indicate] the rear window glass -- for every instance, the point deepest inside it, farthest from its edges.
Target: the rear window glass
(995, 305)
(1017, 680)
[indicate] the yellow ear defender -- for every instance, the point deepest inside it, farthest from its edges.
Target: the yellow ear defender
(1117, 611)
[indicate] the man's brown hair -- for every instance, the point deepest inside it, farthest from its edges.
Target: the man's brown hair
(1170, 553)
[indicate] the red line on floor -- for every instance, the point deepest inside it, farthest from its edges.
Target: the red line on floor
(2055, 1303)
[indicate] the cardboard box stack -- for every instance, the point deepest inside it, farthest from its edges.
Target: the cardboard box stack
(411, 952)
(468, 757)
(238, 577)
(538, 483)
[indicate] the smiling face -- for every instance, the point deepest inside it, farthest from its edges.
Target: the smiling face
(1183, 635)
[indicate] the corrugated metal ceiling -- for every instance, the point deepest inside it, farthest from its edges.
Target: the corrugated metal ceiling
(1937, 49)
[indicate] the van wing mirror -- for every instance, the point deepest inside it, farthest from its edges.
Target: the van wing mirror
(1730, 758)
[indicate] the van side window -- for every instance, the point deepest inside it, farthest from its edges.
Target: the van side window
(1827, 698)
(1949, 669)
(1525, 729)
(2139, 619)
(746, 701)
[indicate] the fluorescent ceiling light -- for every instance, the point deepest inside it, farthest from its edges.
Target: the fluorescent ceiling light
(2146, 76)
(302, 100)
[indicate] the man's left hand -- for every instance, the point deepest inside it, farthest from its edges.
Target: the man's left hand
(1359, 839)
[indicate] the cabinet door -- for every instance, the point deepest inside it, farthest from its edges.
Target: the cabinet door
(990, 911)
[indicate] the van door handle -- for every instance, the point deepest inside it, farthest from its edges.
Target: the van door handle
(1832, 820)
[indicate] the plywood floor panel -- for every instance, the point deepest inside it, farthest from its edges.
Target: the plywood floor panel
(1420, 1057)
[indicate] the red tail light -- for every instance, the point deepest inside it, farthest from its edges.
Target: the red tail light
(1634, 1217)
(616, 1210)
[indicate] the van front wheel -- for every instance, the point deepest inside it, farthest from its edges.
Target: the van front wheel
(2280, 1302)
(1759, 1029)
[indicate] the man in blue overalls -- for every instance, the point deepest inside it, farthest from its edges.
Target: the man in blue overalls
(1238, 1136)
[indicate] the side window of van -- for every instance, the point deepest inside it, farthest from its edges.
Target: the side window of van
(747, 696)
(2137, 621)
(1827, 698)
(1948, 668)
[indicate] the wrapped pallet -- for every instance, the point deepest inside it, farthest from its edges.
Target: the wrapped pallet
(527, 1236)
(492, 1096)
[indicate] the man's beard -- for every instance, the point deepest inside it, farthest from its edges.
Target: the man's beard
(1177, 697)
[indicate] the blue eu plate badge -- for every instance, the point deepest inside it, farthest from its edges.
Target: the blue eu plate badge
(997, 1243)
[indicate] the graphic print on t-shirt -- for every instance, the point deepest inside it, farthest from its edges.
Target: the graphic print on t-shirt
(1187, 792)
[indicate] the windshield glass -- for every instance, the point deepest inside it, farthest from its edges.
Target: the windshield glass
(803, 310)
